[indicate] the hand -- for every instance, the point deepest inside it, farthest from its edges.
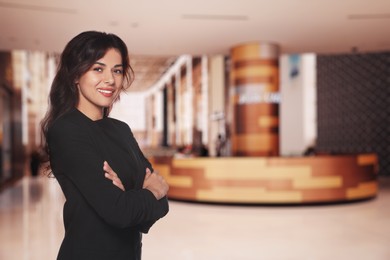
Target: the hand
(111, 175)
(156, 184)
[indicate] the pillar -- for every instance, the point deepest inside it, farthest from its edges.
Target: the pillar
(255, 99)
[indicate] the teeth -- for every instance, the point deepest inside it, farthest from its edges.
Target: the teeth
(106, 91)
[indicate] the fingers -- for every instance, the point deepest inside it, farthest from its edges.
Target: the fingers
(148, 173)
(156, 184)
(107, 168)
(111, 175)
(118, 184)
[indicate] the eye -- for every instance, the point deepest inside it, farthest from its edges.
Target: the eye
(98, 69)
(118, 71)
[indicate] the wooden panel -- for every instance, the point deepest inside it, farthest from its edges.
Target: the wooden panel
(363, 190)
(367, 159)
(245, 52)
(249, 51)
(324, 195)
(177, 181)
(275, 184)
(257, 109)
(182, 193)
(247, 118)
(318, 182)
(268, 122)
(255, 62)
(234, 195)
(256, 126)
(255, 71)
(255, 142)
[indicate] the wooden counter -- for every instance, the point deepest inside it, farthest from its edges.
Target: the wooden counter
(270, 180)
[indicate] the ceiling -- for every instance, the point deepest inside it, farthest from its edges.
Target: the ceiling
(158, 31)
(148, 70)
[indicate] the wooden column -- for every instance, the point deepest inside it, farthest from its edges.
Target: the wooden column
(255, 100)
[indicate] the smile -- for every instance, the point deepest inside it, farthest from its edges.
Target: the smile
(106, 91)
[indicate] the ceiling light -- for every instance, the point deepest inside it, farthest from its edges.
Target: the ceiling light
(214, 17)
(368, 16)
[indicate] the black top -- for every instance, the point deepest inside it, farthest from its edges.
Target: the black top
(101, 221)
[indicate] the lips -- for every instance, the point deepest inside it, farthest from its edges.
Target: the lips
(107, 92)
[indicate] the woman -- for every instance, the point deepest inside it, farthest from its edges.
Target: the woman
(111, 195)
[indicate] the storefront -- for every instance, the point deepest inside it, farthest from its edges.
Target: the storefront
(5, 134)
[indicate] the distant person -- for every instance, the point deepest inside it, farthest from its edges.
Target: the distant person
(310, 151)
(204, 151)
(112, 195)
(34, 163)
(219, 145)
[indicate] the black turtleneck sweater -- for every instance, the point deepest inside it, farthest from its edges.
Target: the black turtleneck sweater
(101, 221)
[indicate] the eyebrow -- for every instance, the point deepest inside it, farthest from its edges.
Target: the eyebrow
(102, 64)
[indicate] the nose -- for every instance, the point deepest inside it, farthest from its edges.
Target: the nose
(109, 79)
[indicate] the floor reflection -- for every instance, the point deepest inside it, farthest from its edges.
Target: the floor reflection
(31, 220)
(31, 228)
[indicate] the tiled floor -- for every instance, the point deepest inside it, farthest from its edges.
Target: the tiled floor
(31, 228)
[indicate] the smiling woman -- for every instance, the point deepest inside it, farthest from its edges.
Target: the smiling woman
(112, 196)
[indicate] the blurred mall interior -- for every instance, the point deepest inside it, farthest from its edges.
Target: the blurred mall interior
(270, 152)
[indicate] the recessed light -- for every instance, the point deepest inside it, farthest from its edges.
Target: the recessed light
(113, 23)
(134, 25)
(214, 17)
(368, 16)
(41, 8)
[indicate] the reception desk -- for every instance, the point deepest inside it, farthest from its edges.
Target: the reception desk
(270, 180)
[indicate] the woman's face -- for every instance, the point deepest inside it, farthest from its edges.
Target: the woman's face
(101, 84)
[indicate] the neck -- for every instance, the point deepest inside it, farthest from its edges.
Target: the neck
(93, 114)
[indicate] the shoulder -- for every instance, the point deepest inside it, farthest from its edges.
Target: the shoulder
(69, 123)
(120, 124)
(117, 122)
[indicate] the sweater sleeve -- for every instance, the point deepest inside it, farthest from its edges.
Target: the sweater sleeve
(144, 228)
(73, 156)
